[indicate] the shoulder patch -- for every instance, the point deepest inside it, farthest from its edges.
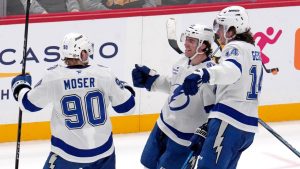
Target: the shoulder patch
(119, 83)
(232, 52)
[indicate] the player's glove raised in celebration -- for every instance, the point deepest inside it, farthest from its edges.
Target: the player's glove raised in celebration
(191, 82)
(198, 139)
(143, 77)
(19, 82)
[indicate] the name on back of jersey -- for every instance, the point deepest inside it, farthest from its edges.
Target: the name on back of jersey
(86, 82)
(256, 55)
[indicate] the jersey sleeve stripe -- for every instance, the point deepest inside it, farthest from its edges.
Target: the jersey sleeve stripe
(56, 142)
(236, 63)
(231, 112)
(208, 108)
(28, 105)
(179, 134)
(126, 106)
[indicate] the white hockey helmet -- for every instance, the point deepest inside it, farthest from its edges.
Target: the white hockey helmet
(200, 32)
(235, 16)
(74, 43)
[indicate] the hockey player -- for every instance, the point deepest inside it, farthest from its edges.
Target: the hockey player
(233, 120)
(80, 94)
(181, 115)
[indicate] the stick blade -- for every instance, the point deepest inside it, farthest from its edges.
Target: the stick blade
(275, 71)
(171, 28)
(171, 35)
(174, 45)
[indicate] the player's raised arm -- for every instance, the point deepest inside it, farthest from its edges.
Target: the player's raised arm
(122, 96)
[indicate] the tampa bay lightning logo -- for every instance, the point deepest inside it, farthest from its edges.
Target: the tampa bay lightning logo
(178, 100)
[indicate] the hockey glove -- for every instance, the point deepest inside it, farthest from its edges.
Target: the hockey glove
(143, 77)
(191, 82)
(198, 139)
(19, 82)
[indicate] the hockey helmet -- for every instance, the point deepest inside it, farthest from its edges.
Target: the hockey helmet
(235, 16)
(200, 32)
(74, 43)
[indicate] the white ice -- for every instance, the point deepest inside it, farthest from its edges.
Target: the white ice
(265, 153)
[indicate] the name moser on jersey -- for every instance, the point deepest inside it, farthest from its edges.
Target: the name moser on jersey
(79, 83)
(80, 94)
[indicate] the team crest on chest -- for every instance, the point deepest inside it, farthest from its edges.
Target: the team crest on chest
(178, 100)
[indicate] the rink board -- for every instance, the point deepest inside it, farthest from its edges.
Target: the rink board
(138, 123)
(124, 40)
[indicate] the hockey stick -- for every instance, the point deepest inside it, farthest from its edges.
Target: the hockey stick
(274, 71)
(282, 140)
(172, 38)
(190, 162)
(171, 35)
(23, 73)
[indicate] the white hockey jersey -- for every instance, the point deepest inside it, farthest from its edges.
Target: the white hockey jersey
(238, 78)
(80, 126)
(181, 114)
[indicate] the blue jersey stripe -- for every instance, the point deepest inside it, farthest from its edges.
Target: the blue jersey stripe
(28, 105)
(237, 64)
(231, 112)
(208, 108)
(82, 152)
(126, 106)
(179, 134)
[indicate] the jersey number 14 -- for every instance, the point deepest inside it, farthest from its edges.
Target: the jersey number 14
(255, 83)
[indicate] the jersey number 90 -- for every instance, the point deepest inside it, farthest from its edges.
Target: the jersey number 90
(91, 109)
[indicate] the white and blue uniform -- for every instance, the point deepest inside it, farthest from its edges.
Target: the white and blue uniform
(80, 127)
(237, 94)
(234, 118)
(179, 118)
(182, 114)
